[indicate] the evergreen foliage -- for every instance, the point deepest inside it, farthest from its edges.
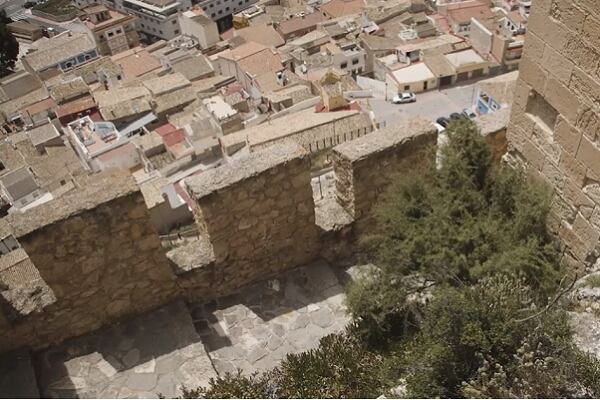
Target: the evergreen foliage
(9, 47)
(340, 368)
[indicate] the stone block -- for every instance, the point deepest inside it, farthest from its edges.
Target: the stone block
(592, 190)
(549, 30)
(532, 73)
(591, 29)
(553, 175)
(522, 92)
(567, 136)
(589, 155)
(557, 64)
(588, 121)
(568, 13)
(562, 209)
(573, 243)
(543, 140)
(577, 197)
(573, 169)
(533, 155)
(582, 53)
(585, 232)
(534, 46)
(562, 99)
(586, 87)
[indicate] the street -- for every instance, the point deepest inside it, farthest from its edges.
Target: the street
(430, 105)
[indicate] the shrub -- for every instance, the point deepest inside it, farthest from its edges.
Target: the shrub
(453, 227)
(339, 368)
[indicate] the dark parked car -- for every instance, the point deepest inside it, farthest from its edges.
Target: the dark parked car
(456, 116)
(443, 121)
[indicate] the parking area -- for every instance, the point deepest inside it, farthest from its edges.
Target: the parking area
(430, 105)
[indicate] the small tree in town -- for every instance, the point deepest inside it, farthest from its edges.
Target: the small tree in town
(9, 47)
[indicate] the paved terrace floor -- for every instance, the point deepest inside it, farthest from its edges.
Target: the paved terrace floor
(188, 344)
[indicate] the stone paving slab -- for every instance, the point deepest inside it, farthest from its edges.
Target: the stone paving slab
(254, 329)
(150, 355)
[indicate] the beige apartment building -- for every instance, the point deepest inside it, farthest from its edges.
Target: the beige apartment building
(113, 32)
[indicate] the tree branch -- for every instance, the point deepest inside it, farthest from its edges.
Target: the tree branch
(558, 296)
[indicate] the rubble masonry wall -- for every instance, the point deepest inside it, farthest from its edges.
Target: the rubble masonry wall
(100, 255)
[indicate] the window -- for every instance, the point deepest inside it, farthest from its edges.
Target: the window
(212, 5)
(110, 34)
(220, 12)
(119, 31)
(2, 166)
(118, 77)
(8, 244)
(174, 21)
(539, 110)
(143, 26)
(407, 87)
(355, 61)
(204, 8)
(160, 32)
(63, 182)
(226, 8)
(212, 15)
(240, 3)
(343, 65)
(176, 31)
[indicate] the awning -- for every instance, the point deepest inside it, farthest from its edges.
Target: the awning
(137, 124)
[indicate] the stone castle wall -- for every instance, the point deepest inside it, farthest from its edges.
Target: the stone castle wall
(366, 166)
(102, 261)
(554, 130)
(99, 254)
(258, 213)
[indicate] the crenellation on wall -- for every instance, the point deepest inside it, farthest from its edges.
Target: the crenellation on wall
(257, 211)
(553, 132)
(365, 167)
(102, 260)
(106, 187)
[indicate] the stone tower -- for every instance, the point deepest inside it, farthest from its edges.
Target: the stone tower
(554, 130)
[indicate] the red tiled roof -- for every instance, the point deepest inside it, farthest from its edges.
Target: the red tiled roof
(165, 129)
(463, 14)
(77, 106)
(174, 137)
(341, 8)
(299, 23)
(96, 117)
(232, 88)
(42, 105)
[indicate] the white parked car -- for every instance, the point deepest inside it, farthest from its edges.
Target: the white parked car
(468, 113)
(406, 97)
